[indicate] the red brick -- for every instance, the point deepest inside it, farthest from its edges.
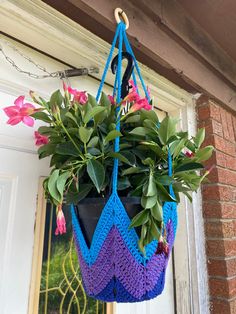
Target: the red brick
(223, 160)
(208, 110)
(224, 228)
(225, 288)
(222, 267)
(203, 112)
(224, 122)
(215, 111)
(211, 127)
(224, 176)
(224, 146)
(228, 210)
(220, 307)
(214, 209)
(218, 192)
(221, 248)
(229, 119)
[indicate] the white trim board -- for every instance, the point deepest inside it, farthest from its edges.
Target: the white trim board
(48, 30)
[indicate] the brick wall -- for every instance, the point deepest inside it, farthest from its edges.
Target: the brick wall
(219, 205)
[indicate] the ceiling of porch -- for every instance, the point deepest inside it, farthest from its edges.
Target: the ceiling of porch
(217, 18)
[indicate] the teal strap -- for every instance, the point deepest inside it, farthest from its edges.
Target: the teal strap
(170, 172)
(108, 62)
(118, 100)
(130, 50)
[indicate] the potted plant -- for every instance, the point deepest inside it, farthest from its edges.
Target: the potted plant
(78, 137)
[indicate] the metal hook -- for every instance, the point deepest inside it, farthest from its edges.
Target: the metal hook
(127, 74)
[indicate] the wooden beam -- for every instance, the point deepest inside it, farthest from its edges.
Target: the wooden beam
(161, 42)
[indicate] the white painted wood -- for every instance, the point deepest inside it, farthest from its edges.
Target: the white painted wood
(44, 28)
(191, 277)
(19, 175)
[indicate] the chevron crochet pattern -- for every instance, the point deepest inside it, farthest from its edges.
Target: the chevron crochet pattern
(113, 268)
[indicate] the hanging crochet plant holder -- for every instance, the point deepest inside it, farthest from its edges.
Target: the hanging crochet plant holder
(113, 268)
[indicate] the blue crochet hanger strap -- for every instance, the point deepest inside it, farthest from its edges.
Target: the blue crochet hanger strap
(108, 61)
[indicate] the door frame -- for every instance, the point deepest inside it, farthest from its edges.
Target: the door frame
(44, 28)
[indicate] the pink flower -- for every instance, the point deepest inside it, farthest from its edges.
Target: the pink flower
(142, 103)
(80, 97)
(112, 99)
(162, 247)
(61, 222)
(40, 139)
(133, 95)
(20, 112)
(189, 154)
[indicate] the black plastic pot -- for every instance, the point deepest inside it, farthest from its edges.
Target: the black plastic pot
(89, 211)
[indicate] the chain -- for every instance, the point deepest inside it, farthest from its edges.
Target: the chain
(35, 76)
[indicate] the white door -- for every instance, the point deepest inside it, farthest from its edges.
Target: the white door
(20, 170)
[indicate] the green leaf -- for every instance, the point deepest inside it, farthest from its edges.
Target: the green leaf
(92, 101)
(131, 170)
(148, 162)
(71, 117)
(199, 138)
(84, 190)
(179, 147)
(204, 153)
(123, 183)
(104, 101)
(130, 156)
(112, 135)
(150, 115)
(94, 151)
(190, 146)
(190, 166)
(164, 180)
(40, 115)
(163, 194)
(157, 212)
(92, 113)
(156, 233)
(120, 157)
(140, 219)
(52, 186)
(67, 148)
(167, 129)
(56, 99)
(85, 134)
(141, 131)
(46, 130)
(154, 147)
(149, 189)
(132, 119)
(75, 196)
(143, 239)
(96, 173)
(148, 201)
(46, 150)
(93, 142)
(61, 181)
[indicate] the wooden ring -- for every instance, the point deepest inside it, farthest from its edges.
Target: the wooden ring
(119, 12)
